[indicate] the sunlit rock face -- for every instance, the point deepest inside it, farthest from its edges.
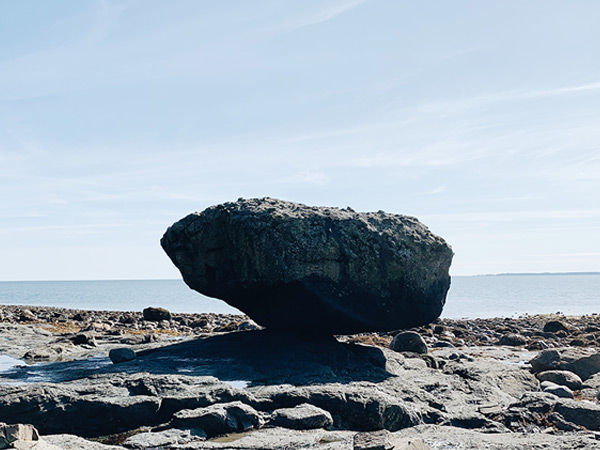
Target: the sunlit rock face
(314, 269)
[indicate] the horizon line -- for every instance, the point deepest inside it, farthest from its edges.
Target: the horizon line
(180, 279)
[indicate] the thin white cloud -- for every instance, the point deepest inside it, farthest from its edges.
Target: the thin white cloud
(326, 12)
(453, 106)
(511, 216)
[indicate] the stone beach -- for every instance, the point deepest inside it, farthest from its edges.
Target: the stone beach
(200, 381)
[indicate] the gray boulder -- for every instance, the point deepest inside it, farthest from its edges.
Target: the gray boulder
(409, 341)
(122, 354)
(153, 314)
(583, 362)
(218, 419)
(320, 269)
(302, 417)
(561, 377)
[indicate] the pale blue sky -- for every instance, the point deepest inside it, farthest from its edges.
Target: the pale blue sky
(117, 118)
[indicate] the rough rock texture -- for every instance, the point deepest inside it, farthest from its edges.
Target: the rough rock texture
(17, 432)
(332, 270)
(583, 362)
(302, 417)
(217, 419)
(119, 355)
(561, 377)
(409, 341)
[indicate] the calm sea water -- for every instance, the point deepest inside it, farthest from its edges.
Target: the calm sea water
(469, 297)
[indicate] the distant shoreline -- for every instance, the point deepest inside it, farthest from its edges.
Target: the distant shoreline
(533, 274)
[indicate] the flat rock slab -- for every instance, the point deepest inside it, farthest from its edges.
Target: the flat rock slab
(442, 437)
(327, 270)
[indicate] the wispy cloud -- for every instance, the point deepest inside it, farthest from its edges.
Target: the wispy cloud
(451, 106)
(325, 12)
(512, 216)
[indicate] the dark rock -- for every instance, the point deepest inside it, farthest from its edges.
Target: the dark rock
(86, 338)
(80, 317)
(585, 414)
(88, 410)
(290, 266)
(554, 326)
(152, 314)
(409, 341)
(559, 391)
(27, 316)
(512, 339)
(560, 423)
(123, 354)
(302, 417)
(561, 377)
(218, 419)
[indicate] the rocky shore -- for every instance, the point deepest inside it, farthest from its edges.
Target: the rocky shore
(157, 380)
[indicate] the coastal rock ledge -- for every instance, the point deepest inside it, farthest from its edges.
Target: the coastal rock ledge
(315, 269)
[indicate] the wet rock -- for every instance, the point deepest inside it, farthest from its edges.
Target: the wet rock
(218, 419)
(302, 417)
(333, 271)
(120, 355)
(153, 314)
(409, 341)
(561, 377)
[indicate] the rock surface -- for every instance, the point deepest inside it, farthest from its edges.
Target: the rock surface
(479, 395)
(321, 269)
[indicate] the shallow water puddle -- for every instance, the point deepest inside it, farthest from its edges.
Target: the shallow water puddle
(237, 384)
(15, 371)
(8, 362)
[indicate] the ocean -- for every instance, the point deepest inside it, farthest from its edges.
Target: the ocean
(469, 296)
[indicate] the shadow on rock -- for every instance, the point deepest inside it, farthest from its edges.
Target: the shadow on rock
(267, 357)
(255, 357)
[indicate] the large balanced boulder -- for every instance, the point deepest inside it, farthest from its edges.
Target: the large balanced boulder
(317, 269)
